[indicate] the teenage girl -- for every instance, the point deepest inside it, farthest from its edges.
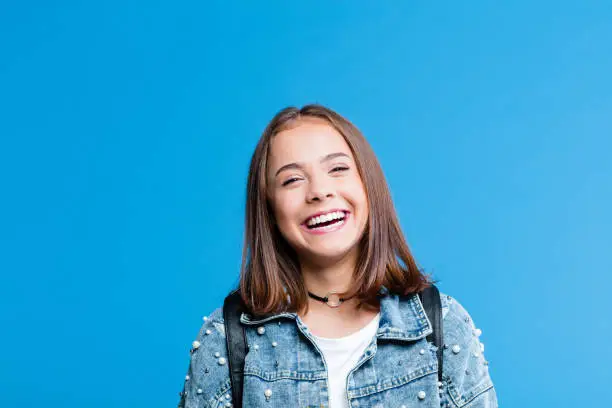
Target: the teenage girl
(330, 288)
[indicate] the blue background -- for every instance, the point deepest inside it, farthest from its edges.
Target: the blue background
(126, 133)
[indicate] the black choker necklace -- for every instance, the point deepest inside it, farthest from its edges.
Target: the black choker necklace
(331, 299)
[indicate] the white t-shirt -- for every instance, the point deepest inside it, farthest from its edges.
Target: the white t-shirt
(341, 356)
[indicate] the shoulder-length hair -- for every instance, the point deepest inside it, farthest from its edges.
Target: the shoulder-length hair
(270, 277)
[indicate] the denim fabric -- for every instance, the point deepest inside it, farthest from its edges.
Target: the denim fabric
(285, 368)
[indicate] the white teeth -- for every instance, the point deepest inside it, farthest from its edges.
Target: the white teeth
(325, 218)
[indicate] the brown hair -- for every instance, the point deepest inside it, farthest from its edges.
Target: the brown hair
(270, 270)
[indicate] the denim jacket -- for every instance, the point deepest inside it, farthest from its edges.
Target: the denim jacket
(285, 368)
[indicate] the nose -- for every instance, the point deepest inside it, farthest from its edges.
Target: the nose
(318, 192)
(318, 196)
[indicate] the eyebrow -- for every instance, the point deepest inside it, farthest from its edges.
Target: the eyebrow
(323, 159)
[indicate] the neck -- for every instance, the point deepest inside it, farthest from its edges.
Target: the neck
(322, 279)
(336, 277)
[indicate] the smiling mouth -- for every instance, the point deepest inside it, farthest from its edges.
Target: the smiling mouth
(327, 220)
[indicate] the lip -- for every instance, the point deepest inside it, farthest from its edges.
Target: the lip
(346, 212)
(347, 216)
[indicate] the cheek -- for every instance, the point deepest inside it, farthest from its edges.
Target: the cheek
(285, 210)
(357, 193)
(361, 201)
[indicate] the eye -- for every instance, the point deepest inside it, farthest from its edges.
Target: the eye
(289, 181)
(339, 168)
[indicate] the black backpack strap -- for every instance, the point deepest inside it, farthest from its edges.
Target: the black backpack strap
(236, 343)
(430, 297)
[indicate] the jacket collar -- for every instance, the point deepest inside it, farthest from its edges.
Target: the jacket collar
(401, 317)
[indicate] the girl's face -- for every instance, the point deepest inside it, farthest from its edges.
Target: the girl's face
(315, 191)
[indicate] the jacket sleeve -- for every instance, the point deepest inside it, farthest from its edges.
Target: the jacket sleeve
(466, 380)
(207, 383)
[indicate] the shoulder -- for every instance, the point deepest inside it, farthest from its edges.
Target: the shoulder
(459, 327)
(453, 311)
(466, 371)
(207, 383)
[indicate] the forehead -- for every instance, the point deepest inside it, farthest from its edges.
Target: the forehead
(306, 143)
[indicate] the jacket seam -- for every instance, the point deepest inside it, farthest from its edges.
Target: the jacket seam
(393, 382)
(461, 401)
(481, 394)
(285, 375)
(219, 394)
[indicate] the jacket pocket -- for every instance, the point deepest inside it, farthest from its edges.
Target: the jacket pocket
(283, 388)
(400, 374)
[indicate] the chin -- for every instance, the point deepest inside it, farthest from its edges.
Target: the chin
(326, 255)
